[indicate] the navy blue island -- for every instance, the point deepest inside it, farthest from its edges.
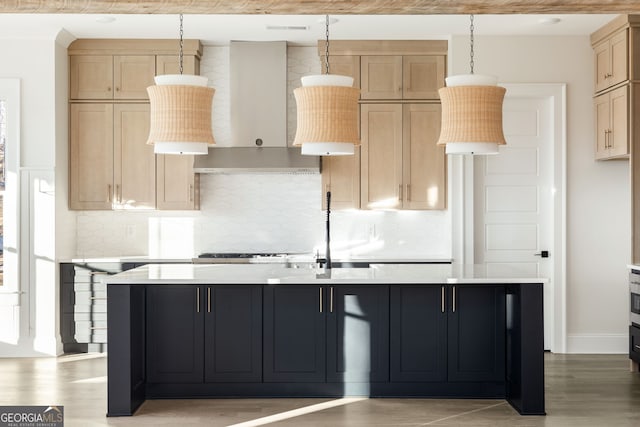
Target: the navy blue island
(250, 330)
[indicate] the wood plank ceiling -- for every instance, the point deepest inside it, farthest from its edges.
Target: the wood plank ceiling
(314, 7)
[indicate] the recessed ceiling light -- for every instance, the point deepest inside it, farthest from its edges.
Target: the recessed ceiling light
(288, 27)
(549, 21)
(105, 19)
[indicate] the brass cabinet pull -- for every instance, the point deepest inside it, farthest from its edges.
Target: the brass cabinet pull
(442, 308)
(320, 300)
(331, 299)
(97, 328)
(191, 192)
(109, 193)
(118, 194)
(400, 192)
(98, 298)
(208, 300)
(197, 300)
(453, 301)
(408, 192)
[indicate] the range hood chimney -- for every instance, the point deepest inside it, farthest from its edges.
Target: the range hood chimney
(258, 86)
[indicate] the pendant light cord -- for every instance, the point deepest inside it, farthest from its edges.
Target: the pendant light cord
(471, 28)
(180, 55)
(326, 46)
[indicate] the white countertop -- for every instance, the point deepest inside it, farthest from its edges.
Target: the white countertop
(290, 258)
(197, 274)
(633, 267)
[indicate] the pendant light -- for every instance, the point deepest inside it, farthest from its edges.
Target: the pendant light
(327, 112)
(180, 112)
(472, 112)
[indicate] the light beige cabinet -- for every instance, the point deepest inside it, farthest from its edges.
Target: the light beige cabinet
(111, 166)
(424, 163)
(177, 186)
(612, 124)
(387, 77)
(91, 156)
(111, 76)
(611, 60)
(398, 165)
(402, 167)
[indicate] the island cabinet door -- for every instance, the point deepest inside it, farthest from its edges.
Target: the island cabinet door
(294, 333)
(233, 333)
(175, 332)
(358, 334)
(418, 350)
(477, 333)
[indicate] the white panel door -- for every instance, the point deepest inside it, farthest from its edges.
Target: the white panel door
(513, 198)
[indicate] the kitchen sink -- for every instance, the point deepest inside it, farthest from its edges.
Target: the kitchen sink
(334, 264)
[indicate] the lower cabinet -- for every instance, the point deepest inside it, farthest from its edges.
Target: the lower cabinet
(326, 333)
(199, 334)
(447, 333)
(398, 334)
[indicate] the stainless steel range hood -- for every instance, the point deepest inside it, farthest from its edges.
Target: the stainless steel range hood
(225, 160)
(258, 116)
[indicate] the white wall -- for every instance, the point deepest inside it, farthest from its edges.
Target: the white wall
(43, 128)
(598, 193)
(279, 213)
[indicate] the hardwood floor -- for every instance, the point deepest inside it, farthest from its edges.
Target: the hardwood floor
(581, 390)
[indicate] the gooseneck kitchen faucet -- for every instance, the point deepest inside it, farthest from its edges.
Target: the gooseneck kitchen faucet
(328, 239)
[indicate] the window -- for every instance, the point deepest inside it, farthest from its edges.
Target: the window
(3, 140)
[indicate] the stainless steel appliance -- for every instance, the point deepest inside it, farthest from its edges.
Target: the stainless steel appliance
(634, 287)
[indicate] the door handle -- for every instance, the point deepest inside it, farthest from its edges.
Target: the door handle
(197, 300)
(442, 308)
(208, 300)
(320, 300)
(542, 254)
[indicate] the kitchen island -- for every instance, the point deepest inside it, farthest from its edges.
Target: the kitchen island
(442, 331)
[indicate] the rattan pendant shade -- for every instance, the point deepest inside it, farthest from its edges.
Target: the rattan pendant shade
(471, 111)
(327, 115)
(180, 115)
(472, 117)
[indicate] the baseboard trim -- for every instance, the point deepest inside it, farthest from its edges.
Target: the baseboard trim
(598, 343)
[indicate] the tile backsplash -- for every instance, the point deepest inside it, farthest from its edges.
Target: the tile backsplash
(261, 212)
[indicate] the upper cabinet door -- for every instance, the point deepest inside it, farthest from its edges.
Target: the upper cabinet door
(177, 185)
(170, 64)
(91, 156)
(381, 77)
(111, 77)
(132, 75)
(619, 58)
(134, 162)
(611, 61)
(424, 162)
(423, 75)
(91, 76)
(341, 176)
(381, 150)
